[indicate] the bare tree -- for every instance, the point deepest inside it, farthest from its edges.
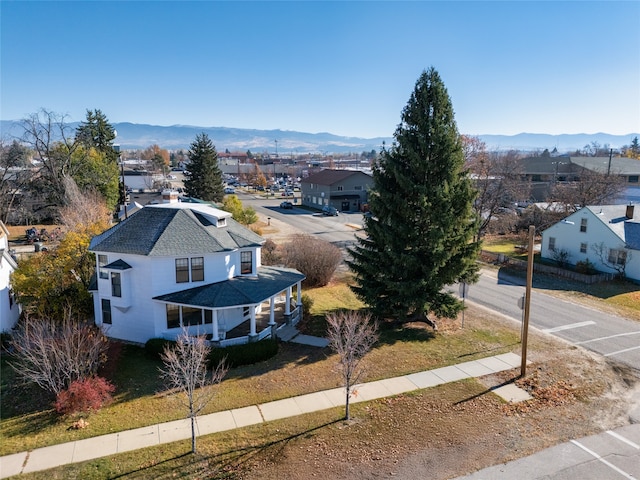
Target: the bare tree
(185, 370)
(589, 188)
(496, 179)
(14, 175)
(315, 258)
(615, 259)
(54, 354)
(82, 208)
(351, 335)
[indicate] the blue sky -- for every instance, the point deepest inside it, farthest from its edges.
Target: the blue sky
(346, 68)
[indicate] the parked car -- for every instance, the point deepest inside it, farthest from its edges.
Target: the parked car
(287, 193)
(286, 205)
(228, 190)
(329, 211)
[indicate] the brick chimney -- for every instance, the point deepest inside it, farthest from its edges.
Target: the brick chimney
(629, 213)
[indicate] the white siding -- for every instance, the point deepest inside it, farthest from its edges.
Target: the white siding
(568, 237)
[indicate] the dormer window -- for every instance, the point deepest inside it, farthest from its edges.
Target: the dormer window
(222, 222)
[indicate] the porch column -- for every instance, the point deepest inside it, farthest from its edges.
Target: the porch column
(252, 332)
(272, 311)
(214, 322)
(287, 305)
(299, 292)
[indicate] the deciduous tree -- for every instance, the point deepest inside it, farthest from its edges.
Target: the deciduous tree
(185, 370)
(204, 180)
(351, 335)
(420, 236)
(54, 353)
(14, 175)
(233, 205)
(315, 258)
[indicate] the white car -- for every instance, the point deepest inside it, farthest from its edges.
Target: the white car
(229, 190)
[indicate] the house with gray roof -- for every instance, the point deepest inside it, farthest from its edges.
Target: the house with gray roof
(189, 265)
(346, 190)
(608, 236)
(543, 173)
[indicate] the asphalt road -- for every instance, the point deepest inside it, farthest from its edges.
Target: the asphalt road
(606, 334)
(610, 455)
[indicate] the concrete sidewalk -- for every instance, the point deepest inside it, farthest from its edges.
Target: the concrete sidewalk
(105, 445)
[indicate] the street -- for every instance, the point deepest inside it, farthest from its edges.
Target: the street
(603, 333)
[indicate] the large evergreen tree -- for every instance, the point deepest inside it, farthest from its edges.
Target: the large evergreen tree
(204, 180)
(420, 235)
(98, 133)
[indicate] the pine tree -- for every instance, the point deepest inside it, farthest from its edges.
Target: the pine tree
(204, 180)
(420, 235)
(98, 133)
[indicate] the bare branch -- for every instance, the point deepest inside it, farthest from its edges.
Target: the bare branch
(351, 335)
(185, 370)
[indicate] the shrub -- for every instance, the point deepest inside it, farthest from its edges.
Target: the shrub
(247, 354)
(315, 258)
(155, 346)
(307, 304)
(586, 267)
(270, 253)
(89, 394)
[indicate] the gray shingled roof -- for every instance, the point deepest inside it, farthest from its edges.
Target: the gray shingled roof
(329, 177)
(238, 290)
(118, 265)
(155, 231)
(613, 216)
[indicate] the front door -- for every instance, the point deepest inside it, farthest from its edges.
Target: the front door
(346, 206)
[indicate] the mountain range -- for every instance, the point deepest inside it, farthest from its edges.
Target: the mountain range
(139, 136)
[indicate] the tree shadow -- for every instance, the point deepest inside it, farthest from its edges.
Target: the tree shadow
(226, 463)
(488, 390)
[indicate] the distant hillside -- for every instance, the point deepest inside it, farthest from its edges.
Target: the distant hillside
(135, 136)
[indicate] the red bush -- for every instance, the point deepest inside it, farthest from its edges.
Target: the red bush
(85, 395)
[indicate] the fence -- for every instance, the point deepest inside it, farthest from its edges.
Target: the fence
(500, 258)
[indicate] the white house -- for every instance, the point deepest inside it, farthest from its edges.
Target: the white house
(9, 309)
(186, 264)
(615, 228)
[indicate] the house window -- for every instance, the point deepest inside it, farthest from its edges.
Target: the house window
(583, 225)
(246, 262)
(197, 269)
(191, 316)
(102, 261)
(552, 244)
(634, 178)
(106, 311)
(182, 270)
(208, 317)
(340, 188)
(583, 247)
(357, 188)
(173, 316)
(617, 257)
(116, 285)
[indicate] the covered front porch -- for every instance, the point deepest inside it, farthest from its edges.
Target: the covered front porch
(237, 311)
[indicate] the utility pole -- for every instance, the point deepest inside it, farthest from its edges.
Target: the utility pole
(527, 303)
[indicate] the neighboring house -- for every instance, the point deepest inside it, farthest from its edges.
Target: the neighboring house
(346, 190)
(187, 264)
(9, 309)
(544, 172)
(579, 236)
